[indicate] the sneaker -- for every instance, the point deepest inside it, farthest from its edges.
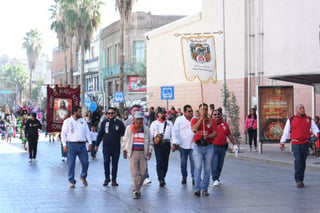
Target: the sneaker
(63, 159)
(34, 160)
(84, 182)
(184, 181)
(106, 182)
(114, 183)
(300, 184)
(30, 160)
(197, 193)
(216, 183)
(147, 181)
(205, 193)
(162, 183)
(72, 185)
(255, 149)
(136, 195)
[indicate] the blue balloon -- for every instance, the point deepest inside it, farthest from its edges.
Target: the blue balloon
(93, 106)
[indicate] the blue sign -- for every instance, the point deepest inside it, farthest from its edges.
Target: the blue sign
(167, 93)
(118, 97)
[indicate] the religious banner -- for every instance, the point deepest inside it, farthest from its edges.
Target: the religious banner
(275, 106)
(199, 58)
(59, 105)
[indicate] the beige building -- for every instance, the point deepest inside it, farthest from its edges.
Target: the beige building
(263, 40)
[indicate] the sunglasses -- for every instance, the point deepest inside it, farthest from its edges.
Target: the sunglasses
(190, 111)
(216, 114)
(110, 113)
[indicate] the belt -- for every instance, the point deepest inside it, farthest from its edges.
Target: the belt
(166, 141)
(78, 142)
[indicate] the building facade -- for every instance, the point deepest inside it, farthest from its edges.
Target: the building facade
(263, 39)
(135, 57)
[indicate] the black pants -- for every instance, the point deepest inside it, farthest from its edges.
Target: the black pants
(33, 145)
(252, 135)
(162, 157)
(114, 155)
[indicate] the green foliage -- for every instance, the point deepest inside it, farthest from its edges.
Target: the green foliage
(233, 111)
(15, 74)
(36, 93)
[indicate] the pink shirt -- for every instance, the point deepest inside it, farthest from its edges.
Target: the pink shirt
(251, 123)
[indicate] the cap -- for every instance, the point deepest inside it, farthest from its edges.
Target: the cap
(161, 110)
(138, 114)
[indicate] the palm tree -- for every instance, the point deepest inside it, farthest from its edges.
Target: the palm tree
(32, 45)
(83, 17)
(125, 10)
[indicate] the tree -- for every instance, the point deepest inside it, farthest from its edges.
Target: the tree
(15, 76)
(233, 111)
(125, 10)
(36, 93)
(32, 45)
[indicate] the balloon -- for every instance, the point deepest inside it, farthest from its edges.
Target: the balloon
(93, 106)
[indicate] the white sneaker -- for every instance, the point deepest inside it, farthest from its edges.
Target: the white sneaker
(216, 183)
(30, 160)
(147, 181)
(34, 160)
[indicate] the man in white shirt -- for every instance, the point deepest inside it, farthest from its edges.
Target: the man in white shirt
(74, 135)
(161, 131)
(183, 140)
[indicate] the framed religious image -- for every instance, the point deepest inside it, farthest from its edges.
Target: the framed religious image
(62, 109)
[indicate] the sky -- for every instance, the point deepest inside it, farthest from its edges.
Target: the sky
(17, 17)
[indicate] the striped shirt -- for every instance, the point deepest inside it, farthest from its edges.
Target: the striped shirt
(138, 139)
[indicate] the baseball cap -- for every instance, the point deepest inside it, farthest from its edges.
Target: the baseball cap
(161, 110)
(138, 114)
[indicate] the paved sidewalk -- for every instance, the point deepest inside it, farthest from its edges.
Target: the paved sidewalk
(271, 153)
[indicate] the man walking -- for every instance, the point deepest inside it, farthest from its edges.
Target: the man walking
(183, 140)
(220, 146)
(205, 130)
(32, 134)
(138, 147)
(161, 132)
(298, 129)
(74, 135)
(111, 131)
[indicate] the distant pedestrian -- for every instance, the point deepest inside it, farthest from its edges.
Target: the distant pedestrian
(137, 145)
(161, 131)
(183, 141)
(251, 128)
(93, 135)
(220, 146)
(74, 135)
(205, 130)
(111, 131)
(63, 153)
(32, 128)
(152, 115)
(298, 128)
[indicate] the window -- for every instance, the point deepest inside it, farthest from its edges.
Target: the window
(139, 51)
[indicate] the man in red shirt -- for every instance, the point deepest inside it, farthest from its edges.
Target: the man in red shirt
(205, 130)
(220, 146)
(298, 129)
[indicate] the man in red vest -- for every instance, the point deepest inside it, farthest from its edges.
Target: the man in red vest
(298, 129)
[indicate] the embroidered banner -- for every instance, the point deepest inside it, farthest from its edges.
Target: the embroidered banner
(199, 58)
(59, 105)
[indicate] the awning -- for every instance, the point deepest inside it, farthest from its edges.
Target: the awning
(307, 79)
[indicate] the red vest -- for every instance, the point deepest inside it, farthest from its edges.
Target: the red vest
(300, 129)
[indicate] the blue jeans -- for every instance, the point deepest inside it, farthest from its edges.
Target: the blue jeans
(74, 150)
(184, 153)
(219, 152)
(300, 153)
(93, 150)
(162, 152)
(202, 156)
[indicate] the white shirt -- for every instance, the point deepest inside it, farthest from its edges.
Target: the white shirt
(286, 131)
(182, 133)
(75, 131)
(93, 136)
(157, 128)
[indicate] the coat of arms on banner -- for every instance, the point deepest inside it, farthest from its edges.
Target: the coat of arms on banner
(199, 58)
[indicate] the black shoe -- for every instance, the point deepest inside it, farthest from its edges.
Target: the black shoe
(184, 182)
(197, 193)
(106, 182)
(300, 184)
(114, 183)
(136, 195)
(162, 183)
(193, 182)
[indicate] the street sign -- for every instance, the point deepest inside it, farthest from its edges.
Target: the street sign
(118, 97)
(167, 93)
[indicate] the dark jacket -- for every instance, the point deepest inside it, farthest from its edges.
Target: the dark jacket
(111, 132)
(31, 128)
